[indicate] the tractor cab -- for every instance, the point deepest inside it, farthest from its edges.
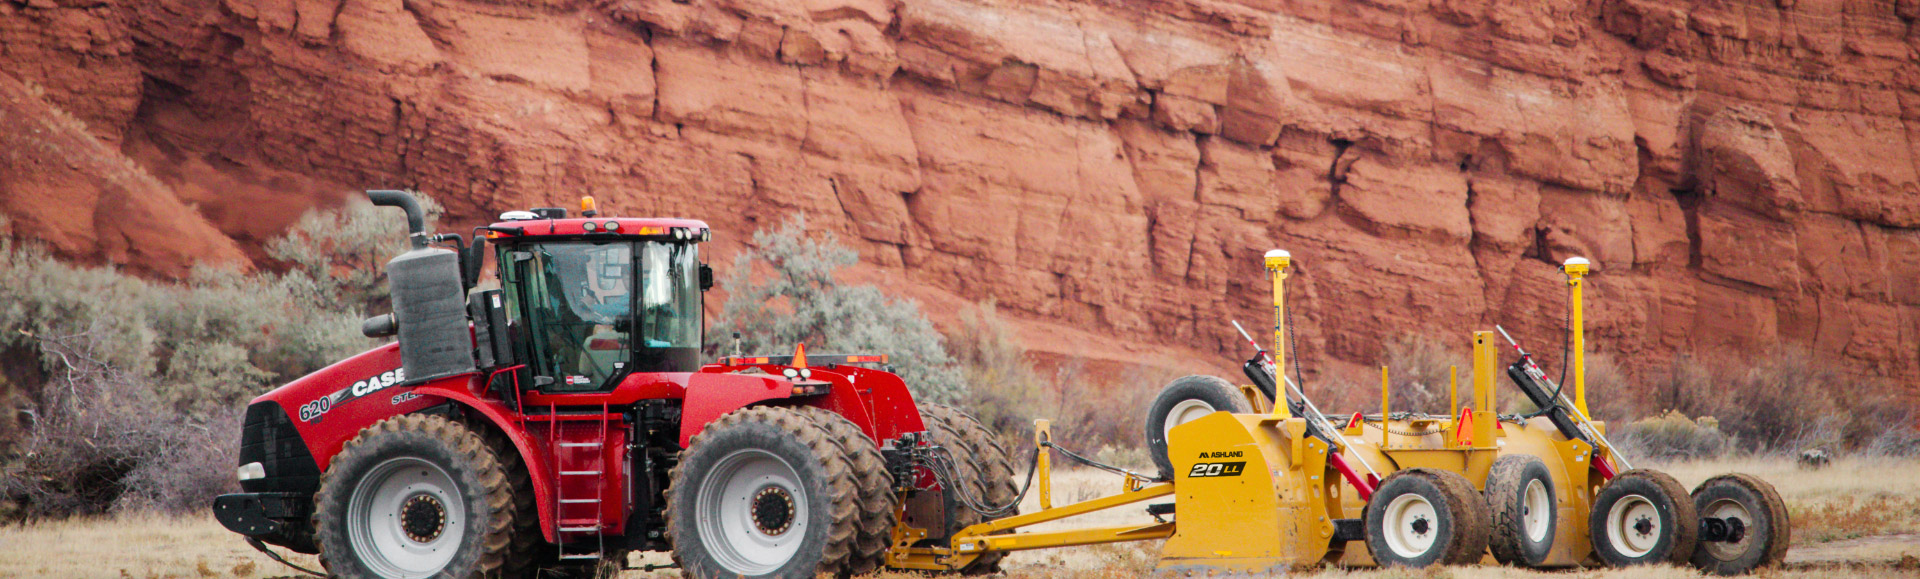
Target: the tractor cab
(591, 299)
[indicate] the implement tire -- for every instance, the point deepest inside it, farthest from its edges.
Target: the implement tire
(415, 496)
(877, 500)
(1643, 517)
(1183, 400)
(1525, 511)
(762, 492)
(982, 467)
(1764, 533)
(1422, 517)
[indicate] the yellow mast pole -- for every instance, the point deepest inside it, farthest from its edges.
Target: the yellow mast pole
(1385, 408)
(1278, 261)
(1576, 269)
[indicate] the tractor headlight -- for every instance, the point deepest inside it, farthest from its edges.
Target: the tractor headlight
(790, 373)
(806, 372)
(589, 226)
(252, 471)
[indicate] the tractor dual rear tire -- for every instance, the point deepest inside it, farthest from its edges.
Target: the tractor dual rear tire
(1643, 517)
(1184, 400)
(1525, 509)
(415, 496)
(763, 492)
(1421, 517)
(1764, 529)
(877, 499)
(982, 466)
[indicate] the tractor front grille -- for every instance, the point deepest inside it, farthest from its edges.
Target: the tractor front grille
(269, 438)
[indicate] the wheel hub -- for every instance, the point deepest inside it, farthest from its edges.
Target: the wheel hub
(423, 517)
(1643, 526)
(1421, 526)
(773, 510)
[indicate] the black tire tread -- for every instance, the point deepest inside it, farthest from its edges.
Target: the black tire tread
(877, 500)
(1505, 480)
(1464, 507)
(1473, 521)
(1183, 388)
(1687, 520)
(494, 485)
(843, 490)
(983, 464)
(1778, 522)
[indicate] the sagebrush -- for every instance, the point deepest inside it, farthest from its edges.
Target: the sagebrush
(799, 301)
(125, 393)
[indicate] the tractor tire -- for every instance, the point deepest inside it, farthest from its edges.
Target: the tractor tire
(877, 499)
(1421, 517)
(527, 549)
(415, 496)
(763, 492)
(1183, 400)
(982, 466)
(1643, 517)
(1525, 510)
(1764, 530)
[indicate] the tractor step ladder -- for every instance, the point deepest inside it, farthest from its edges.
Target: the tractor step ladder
(595, 448)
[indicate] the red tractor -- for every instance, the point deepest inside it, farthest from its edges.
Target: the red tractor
(555, 424)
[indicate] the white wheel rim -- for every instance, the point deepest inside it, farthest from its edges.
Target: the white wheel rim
(1186, 411)
(1536, 511)
(376, 514)
(1410, 526)
(1729, 510)
(726, 512)
(1633, 526)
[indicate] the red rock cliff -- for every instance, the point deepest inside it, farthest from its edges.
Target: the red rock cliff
(1740, 172)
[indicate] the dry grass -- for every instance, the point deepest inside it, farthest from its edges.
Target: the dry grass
(128, 546)
(1855, 497)
(1854, 520)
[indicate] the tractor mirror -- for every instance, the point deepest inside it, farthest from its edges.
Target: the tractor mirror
(706, 277)
(471, 261)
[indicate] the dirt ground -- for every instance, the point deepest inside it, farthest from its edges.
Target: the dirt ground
(1858, 519)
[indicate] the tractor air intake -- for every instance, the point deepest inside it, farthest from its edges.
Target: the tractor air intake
(429, 302)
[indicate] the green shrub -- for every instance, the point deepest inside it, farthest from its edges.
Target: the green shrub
(800, 302)
(345, 251)
(1003, 389)
(1673, 436)
(1784, 400)
(1419, 368)
(137, 400)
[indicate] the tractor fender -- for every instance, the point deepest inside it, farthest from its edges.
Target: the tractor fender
(712, 395)
(876, 401)
(460, 390)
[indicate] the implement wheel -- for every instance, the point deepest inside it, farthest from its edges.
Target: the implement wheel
(762, 492)
(414, 496)
(1184, 400)
(1744, 525)
(1643, 517)
(1525, 512)
(1421, 517)
(982, 466)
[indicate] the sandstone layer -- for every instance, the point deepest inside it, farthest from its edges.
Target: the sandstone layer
(1740, 172)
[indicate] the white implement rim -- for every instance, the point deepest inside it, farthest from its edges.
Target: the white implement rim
(1536, 511)
(1729, 510)
(724, 512)
(1410, 525)
(1186, 411)
(375, 527)
(1624, 526)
